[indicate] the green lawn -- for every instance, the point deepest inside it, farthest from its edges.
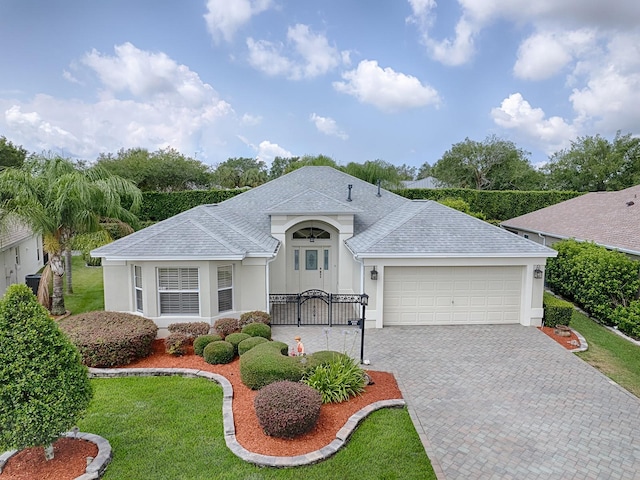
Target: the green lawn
(87, 287)
(171, 427)
(614, 356)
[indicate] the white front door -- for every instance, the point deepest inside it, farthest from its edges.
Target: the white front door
(312, 264)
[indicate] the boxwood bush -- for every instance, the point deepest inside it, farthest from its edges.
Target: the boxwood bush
(218, 352)
(246, 345)
(202, 341)
(177, 343)
(235, 338)
(44, 389)
(256, 316)
(107, 339)
(269, 362)
(287, 409)
(190, 329)
(556, 311)
(225, 326)
(257, 330)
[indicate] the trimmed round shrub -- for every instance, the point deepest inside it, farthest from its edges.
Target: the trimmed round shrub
(218, 352)
(225, 326)
(269, 362)
(190, 329)
(176, 344)
(108, 339)
(256, 316)
(234, 339)
(202, 341)
(257, 330)
(245, 345)
(287, 409)
(44, 389)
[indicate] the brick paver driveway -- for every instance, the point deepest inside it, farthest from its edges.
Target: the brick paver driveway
(502, 401)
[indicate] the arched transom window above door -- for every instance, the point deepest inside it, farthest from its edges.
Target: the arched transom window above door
(311, 233)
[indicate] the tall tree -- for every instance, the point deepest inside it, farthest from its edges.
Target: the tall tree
(240, 172)
(593, 163)
(164, 170)
(424, 171)
(406, 172)
(373, 170)
(10, 154)
(493, 164)
(281, 165)
(58, 200)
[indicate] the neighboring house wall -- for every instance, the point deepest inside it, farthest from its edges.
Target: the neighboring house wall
(20, 259)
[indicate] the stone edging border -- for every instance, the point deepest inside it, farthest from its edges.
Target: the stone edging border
(584, 346)
(95, 469)
(227, 416)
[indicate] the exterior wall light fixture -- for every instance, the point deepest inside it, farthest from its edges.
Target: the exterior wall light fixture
(537, 272)
(374, 274)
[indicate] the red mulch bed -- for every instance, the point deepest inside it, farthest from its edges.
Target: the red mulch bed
(69, 461)
(30, 464)
(571, 342)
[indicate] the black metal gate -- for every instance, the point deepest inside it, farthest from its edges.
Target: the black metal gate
(316, 307)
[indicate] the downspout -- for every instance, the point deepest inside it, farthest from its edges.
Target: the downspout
(273, 257)
(544, 239)
(361, 262)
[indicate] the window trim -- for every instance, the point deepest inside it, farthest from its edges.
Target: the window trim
(164, 290)
(226, 288)
(137, 288)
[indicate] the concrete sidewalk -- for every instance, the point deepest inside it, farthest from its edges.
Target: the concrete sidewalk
(499, 401)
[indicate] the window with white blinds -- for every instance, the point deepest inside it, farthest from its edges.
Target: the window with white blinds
(225, 288)
(137, 286)
(179, 291)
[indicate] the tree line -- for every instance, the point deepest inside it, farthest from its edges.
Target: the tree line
(591, 163)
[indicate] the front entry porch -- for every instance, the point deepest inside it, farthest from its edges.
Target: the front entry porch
(317, 307)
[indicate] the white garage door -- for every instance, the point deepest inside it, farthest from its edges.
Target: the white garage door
(451, 295)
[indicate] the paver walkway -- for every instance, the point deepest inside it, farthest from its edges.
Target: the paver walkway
(501, 401)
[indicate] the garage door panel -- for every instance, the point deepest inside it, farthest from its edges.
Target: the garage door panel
(451, 295)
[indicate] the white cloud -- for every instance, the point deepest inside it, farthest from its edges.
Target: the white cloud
(551, 134)
(147, 100)
(386, 89)
(544, 15)
(328, 126)
(545, 53)
(265, 150)
(250, 120)
(305, 55)
(225, 17)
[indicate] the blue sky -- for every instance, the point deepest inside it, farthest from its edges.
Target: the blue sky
(397, 80)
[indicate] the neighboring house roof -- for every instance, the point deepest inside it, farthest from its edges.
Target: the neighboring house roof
(386, 224)
(13, 233)
(610, 219)
(428, 182)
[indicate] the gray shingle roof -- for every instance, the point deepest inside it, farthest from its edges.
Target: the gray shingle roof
(241, 226)
(602, 217)
(425, 228)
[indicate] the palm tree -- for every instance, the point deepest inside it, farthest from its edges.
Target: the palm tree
(59, 199)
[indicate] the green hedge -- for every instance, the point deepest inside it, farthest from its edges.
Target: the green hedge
(157, 206)
(597, 279)
(627, 319)
(556, 311)
(494, 204)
